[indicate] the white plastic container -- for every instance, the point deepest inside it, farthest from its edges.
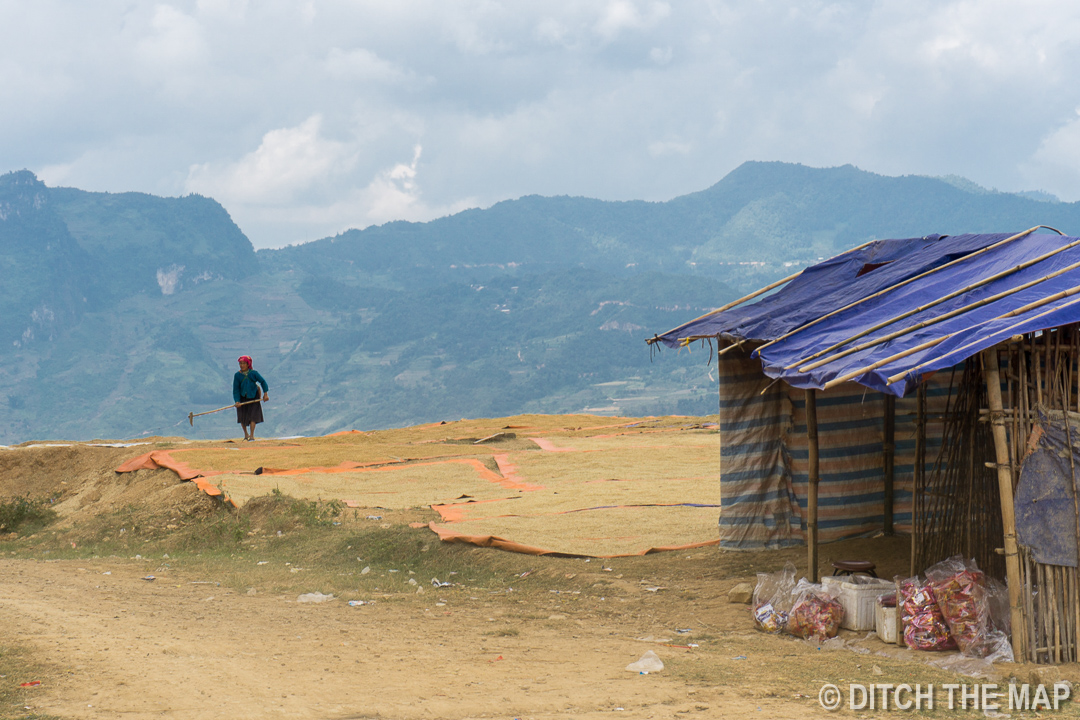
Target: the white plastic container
(885, 622)
(859, 599)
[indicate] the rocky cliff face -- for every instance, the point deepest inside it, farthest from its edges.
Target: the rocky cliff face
(160, 246)
(44, 285)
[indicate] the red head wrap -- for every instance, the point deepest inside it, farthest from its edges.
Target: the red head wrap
(245, 359)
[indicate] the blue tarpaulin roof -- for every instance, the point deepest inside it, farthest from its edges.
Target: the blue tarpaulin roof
(895, 284)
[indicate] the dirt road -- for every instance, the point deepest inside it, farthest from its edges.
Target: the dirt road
(219, 631)
(123, 646)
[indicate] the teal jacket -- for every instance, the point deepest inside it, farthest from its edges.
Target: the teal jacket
(244, 387)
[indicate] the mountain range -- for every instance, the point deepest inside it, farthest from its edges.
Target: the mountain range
(121, 313)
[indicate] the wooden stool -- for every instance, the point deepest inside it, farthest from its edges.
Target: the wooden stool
(853, 567)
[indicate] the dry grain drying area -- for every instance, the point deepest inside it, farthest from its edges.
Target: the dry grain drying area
(140, 595)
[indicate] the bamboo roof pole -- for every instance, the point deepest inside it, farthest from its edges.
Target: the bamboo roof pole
(1030, 306)
(734, 303)
(729, 348)
(880, 363)
(883, 291)
(931, 321)
(746, 298)
(931, 343)
(946, 298)
(1005, 489)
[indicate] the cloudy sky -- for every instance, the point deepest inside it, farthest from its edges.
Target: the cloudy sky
(308, 117)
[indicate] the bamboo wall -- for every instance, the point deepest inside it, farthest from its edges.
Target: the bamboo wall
(957, 507)
(1043, 371)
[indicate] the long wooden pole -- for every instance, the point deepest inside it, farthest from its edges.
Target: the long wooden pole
(925, 323)
(1074, 609)
(889, 289)
(946, 298)
(814, 480)
(192, 415)
(918, 478)
(1005, 490)
(936, 341)
(1004, 331)
(888, 453)
(734, 303)
(747, 298)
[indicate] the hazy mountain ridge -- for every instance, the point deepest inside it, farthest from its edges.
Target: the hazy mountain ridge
(120, 313)
(764, 212)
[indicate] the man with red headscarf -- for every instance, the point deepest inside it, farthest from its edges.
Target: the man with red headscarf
(246, 396)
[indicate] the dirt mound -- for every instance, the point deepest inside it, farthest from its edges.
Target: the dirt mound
(79, 482)
(573, 485)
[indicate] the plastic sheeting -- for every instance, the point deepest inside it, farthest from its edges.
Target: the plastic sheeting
(859, 274)
(764, 458)
(1045, 500)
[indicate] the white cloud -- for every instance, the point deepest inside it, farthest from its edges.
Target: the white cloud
(301, 118)
(394, 193)
(1056, 162)
(287, 162)
(660, 56)
(669, 147)
(550, 30)
(620, 15)
(365, 65)
(232, 9)
(174, 41)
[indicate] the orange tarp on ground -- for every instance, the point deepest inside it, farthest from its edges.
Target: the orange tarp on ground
(544, 488)
(449, 535)
(158, 459)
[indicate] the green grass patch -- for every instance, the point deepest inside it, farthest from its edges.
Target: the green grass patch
(24, 514)
(279, 544)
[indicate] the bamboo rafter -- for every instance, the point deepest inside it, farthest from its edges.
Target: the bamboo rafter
(940, 318)
(910, 280)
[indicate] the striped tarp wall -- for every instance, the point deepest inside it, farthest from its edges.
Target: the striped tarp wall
(764, 456)
(851, 431)
(757, 507)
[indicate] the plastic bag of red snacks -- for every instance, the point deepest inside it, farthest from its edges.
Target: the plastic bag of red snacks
(924, 625)
(772, 599)
(815, 613)
(961, 592)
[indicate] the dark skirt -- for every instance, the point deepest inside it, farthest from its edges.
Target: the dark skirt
(247, 414)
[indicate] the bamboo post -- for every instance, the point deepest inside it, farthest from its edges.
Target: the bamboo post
(888, 451)
(1072, 472)
(1072, 609)
(918, 478)
(1041, 613)
(812, 487)
(1005, 488)
(1014, 402)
